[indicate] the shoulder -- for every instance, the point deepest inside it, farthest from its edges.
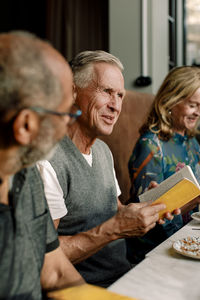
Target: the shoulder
(194, 146)
(195, 142)
(102, 151)
(148, 138)
(47, 172)
(147, 145)
(33, 175)
(31, 187)
(62, 152)
(99, 144)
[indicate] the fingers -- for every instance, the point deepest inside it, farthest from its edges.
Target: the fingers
(146, 209)
(177, 211)
(152, 185)
(161, 222)
(140, 205)
(158, 207)
(152, 207)
(136, 219)
(147, 228)
(168, 216)
(150, 215)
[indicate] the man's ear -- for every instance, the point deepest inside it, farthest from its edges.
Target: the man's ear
(25, 127)
(74, 93)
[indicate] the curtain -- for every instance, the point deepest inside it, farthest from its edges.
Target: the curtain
(77, 25)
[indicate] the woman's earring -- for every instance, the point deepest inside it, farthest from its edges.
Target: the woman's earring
(170, 112)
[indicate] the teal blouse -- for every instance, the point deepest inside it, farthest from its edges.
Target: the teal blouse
(155, 159)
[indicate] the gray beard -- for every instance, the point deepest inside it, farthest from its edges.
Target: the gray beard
(43, 147)
(51, 153)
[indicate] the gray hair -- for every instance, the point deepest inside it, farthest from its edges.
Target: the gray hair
(25, 76)
(82, 65)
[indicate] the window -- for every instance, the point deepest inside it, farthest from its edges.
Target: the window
(172, 34)
(192, 32)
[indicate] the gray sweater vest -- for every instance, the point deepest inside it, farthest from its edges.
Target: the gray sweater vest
(91, 198)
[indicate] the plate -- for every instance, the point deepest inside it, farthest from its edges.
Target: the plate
(189, 246)
(196, 216)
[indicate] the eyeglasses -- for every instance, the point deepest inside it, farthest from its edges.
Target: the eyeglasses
(73, 115)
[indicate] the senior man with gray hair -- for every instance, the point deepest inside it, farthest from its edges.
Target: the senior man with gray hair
(80, 179)
(35, 100)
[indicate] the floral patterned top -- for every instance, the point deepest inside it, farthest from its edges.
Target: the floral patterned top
(155, 159)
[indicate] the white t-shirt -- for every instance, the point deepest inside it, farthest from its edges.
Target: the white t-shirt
(53, 190)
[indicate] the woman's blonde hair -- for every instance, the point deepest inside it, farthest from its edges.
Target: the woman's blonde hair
(180, 84)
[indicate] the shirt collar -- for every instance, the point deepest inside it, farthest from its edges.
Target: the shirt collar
(178, 138)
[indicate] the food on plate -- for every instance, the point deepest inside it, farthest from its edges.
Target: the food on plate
(189, 246)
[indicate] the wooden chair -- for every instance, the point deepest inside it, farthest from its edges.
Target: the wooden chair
(135, 109)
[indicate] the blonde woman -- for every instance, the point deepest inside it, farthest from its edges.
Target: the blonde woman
(166, 144)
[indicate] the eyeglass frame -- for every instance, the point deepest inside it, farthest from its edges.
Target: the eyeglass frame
(56, 113)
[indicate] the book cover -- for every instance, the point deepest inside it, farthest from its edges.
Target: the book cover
(177, 190)
(86, 292)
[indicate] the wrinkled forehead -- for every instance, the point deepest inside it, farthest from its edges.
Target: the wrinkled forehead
(110, 73)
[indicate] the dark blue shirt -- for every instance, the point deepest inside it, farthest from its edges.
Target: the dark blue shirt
(26, 234)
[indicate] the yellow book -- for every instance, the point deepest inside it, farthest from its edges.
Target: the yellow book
(177, 190)
(86, 292)
(180, 194)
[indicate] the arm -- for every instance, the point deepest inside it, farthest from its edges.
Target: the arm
(56, 223)
(53, 191)
(134, 219)
(58, 272)
(145, 165)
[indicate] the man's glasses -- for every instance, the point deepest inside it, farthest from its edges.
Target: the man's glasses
(74, 114)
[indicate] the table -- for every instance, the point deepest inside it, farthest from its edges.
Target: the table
(164, 274)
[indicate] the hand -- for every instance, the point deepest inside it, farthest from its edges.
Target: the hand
(136, 219)
(152, 185)
(169, 216)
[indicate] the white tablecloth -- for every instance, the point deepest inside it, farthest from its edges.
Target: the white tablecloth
(164, 274)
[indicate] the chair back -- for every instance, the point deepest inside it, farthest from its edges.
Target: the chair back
(135, 109)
